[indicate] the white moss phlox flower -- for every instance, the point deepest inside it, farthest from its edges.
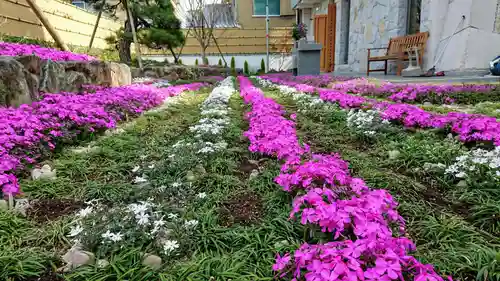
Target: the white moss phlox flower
(142, 218)
(136, 169)
(172, 216)
(142, 179)
(114, 237)
(138, 208)
(169, 246)
(85, 212)
(202, 195)
(75, 230)
(191, 224)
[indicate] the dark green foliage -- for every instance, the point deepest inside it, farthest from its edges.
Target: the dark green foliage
(179, 61)
(233, 66)
(196, 62)
(262, 66)
(205, 61)
(23, 40)
(220, 62)
(156, 24)
(245, 68)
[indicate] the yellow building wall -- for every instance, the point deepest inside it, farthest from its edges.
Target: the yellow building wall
(250, 38)
(74, 25)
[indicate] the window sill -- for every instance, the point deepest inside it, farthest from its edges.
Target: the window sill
(263, 16)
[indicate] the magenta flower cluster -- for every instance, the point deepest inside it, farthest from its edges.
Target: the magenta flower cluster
(411, 93)
(322, 80)
(31, 131)
(469, 127)
(366, 232)
(15, 49)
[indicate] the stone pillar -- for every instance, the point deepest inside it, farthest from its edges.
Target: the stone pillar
(342, 32)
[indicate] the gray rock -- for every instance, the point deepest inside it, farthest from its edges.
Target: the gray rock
(102, 263)
(76, 258)
(51, 77)
(74, 81)
(152, 261)
(14, 89)
(120, 74)
(462, 184)
(21, 206)
(394, 154)
(254, 174)
(4, 205)
(43, 173)
(190, 177)
(427, 103)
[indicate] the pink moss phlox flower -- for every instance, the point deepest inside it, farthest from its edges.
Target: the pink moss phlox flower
(360, 219)
(349, 94)
(29, 131)
(16, 49)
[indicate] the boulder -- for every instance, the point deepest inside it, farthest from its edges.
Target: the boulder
(51, 77)
(31, 63)
(21, 206)
(120, 74)
(74, 81)
(14, 89)
(23, 77)
(69, 76)
(4, 205)
(152, 261)
(75, 258)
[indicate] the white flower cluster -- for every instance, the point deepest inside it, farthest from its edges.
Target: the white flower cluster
(215, 119)
(142, 79)
(477, 162)
(366, 122)
(144, 218)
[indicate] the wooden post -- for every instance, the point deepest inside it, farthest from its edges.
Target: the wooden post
(134, 35)
(95, 27)
(47, 25)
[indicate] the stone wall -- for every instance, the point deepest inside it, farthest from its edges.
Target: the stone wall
(372, 25)
(23, 78)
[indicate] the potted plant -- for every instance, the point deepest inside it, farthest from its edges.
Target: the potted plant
(299, 31)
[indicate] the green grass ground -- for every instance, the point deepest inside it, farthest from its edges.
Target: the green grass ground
(442, 220)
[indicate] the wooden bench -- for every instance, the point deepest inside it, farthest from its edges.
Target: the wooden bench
(397, 51)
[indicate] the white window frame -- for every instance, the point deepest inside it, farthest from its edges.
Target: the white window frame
(264, 15)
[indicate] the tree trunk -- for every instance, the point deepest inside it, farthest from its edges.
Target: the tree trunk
(203, 54)
(124, 46)
(176, 59)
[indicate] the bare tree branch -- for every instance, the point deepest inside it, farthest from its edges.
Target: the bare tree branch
(202, 17)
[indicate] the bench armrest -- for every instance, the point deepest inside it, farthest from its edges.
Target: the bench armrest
(381, 48)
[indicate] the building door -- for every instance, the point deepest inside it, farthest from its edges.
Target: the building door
(324, 33)
(321, 36)
(332, 19)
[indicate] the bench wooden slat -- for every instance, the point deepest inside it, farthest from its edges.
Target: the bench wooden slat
(397, 50)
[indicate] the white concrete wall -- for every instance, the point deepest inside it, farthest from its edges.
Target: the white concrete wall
(276, 61)
(475, 42)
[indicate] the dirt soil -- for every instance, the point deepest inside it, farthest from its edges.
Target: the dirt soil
(243, 208)
(50, 209)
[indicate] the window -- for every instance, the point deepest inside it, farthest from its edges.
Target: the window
(259, 7)
(80, 4)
